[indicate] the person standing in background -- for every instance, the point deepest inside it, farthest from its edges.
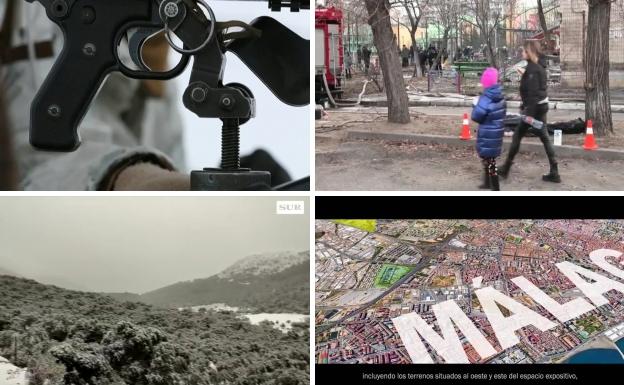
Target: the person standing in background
(366, 55)
(348, 62)
(422, 58)
(405, 56)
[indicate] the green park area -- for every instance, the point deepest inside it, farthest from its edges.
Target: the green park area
(512, 238)
(389, 274)
(369, 225)
(589, 324)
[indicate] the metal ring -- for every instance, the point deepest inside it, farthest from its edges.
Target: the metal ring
(213, 22)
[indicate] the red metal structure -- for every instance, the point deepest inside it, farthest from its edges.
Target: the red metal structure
(329, 51)
(555, 37)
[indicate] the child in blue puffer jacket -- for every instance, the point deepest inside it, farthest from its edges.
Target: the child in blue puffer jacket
(489, 112)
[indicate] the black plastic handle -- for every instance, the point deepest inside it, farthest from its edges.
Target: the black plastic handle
(278, 66)
(90, 29)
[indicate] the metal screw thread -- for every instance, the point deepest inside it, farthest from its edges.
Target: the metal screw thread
(230, 145)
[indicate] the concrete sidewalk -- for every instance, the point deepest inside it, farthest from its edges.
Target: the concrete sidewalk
(456, 100)
(562, 151)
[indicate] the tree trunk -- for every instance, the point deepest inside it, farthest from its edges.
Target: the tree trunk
(542, 19)
(489, 52)
(379, 20)
(416, 58)
(438, 59)
(597, 98)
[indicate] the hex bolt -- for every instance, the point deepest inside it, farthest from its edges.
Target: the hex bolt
(89, 49)
(198, 95)
(171, 9)
(54, 111)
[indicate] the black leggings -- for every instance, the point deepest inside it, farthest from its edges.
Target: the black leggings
(489, 164)
(540, 114)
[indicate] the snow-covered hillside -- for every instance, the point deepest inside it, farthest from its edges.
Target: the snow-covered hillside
(263, 264)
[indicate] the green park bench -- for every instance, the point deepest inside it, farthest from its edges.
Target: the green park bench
(470, 67)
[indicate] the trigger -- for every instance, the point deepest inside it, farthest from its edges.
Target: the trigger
(135, 45)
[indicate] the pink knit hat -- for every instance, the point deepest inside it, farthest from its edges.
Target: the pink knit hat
(489, 77)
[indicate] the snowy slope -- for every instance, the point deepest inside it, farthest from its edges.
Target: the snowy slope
(264, 264)
(11, 374)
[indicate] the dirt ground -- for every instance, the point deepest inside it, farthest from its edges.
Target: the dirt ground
(386, 166)
(345, 164)
(444, 121)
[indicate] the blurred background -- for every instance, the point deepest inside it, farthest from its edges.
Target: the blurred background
(129, 116)
(280, 129)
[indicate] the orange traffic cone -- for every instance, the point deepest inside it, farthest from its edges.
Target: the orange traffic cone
(590, 142)
(465, 132)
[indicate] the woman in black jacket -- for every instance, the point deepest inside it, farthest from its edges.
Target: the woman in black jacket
(533, 91)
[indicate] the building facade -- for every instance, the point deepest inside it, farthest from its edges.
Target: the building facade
(573, 42)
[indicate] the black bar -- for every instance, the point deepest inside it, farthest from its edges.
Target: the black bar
(464, 374)
(478, 207)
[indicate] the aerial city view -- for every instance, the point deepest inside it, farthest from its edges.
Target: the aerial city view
(469, 291)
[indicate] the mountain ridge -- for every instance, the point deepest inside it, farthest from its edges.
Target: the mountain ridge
(266, 263)
(273, 283)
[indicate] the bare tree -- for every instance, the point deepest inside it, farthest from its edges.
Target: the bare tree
(488, 16)
(543, 25)
(447, 13)
(356, 16)
(415, 10)
(379, 20)
(597, 98)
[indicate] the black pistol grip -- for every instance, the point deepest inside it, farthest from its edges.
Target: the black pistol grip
(64, 98)
(90, 28)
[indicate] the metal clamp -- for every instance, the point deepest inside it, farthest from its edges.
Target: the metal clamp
(170, 9)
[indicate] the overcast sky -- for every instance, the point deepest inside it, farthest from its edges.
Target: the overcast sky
(138, 244)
